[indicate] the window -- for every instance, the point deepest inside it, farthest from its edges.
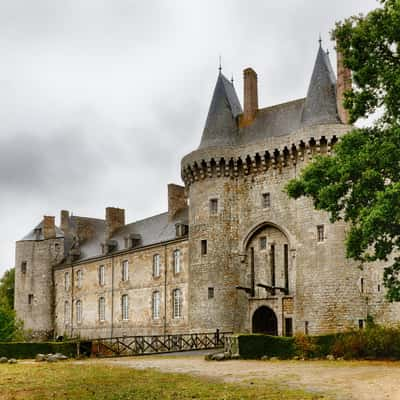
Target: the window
(79, 276)
(379, 287)
(155, 305)
(263, 243)
(177, 303)
(102, 277)
(78, 311)
(266, 200)
(66, 281)
(23, 267)
(156, 265)
(360, 324)
(67, 313)
(102, 309)
(320, 233)
(125, 307)
(306, 327)
(210, 292)
(203, 247)
(214, 206)
(125, 270)
(362, 285)
(30, 299)
(177, 261)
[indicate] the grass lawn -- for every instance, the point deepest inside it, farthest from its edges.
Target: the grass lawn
(86, 381)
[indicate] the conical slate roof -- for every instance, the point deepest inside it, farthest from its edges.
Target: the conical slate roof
(221, 127)
(320, 105)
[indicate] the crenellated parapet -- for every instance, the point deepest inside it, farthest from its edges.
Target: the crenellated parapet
(274, 153)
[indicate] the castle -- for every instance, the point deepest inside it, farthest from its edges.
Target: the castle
(232, 253)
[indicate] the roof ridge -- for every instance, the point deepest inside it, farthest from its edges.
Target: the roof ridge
(282, 104)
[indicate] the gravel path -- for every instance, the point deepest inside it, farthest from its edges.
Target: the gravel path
(343, 379)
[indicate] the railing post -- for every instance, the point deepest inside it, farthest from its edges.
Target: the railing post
(217, 337)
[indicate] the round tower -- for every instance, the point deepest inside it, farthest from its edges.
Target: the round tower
(259, 261)
(35, 256)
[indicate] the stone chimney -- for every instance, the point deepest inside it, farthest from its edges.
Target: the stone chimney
(343, 85)
(64, 221)
(49, 227)
(115, 219)
(250, 96)
(176, 200)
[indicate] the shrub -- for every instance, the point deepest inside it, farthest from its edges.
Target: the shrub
(29, 350)
(256, 346)
(306, 346)
(375, 342)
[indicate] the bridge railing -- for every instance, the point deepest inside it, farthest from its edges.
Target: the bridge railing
(140, 345)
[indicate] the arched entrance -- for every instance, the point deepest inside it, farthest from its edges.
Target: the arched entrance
(265, 321)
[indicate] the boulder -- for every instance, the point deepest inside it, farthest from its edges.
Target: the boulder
(52, 358)
(40, 357)
(330, 357)
(218, 357)
(3, 360)
(274, 359)
(264, 358)
(12, 361)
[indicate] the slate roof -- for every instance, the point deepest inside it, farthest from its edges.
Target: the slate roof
(37, 233)
(221, 125)
(152, 230)
(319, 107)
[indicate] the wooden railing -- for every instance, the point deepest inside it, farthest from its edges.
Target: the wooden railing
(139, 345)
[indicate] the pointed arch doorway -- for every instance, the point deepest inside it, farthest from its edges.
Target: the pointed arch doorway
(265, 321)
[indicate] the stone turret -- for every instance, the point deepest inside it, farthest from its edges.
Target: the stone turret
(36, 254)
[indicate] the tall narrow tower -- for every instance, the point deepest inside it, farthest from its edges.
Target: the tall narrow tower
(35, 256)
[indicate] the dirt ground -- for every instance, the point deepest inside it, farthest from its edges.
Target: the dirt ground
(342, 380)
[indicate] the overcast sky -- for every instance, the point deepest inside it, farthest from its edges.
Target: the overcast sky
(100, 99)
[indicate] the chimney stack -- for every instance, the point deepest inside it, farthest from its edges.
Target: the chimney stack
(49, 228)
(343, 85)
(115, 219)
(64, 221)
(250, 96)
(176, 200)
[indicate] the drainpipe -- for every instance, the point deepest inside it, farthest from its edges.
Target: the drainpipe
(165, 290)
(112, 297)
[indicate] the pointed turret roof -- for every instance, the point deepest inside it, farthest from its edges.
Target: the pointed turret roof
(320, 105)
(221, 127)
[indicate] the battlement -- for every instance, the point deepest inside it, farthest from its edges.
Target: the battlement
(273, 153)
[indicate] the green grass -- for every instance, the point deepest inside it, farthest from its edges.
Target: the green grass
(86, 381)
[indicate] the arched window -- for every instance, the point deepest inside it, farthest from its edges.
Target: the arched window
(125, 307)
(79, 276)
(156, 265)
(155, 306)
(78, 311)
(101, 275)
(66, 281)
(177, 261)
(177, 303)
(102, 309)
(125, 270)
(67, 313)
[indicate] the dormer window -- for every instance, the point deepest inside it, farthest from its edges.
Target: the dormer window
(181, 229)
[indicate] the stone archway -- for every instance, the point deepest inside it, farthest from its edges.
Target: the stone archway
(265, 321)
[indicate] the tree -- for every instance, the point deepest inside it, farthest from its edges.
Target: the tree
(360, 183)
(7, 286)
(10, 327)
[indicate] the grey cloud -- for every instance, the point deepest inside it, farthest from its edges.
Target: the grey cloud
(100, 99)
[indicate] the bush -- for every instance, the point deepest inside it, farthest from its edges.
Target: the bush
(375, 342)
(306, 346)
(29, 350)
(256, 346)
